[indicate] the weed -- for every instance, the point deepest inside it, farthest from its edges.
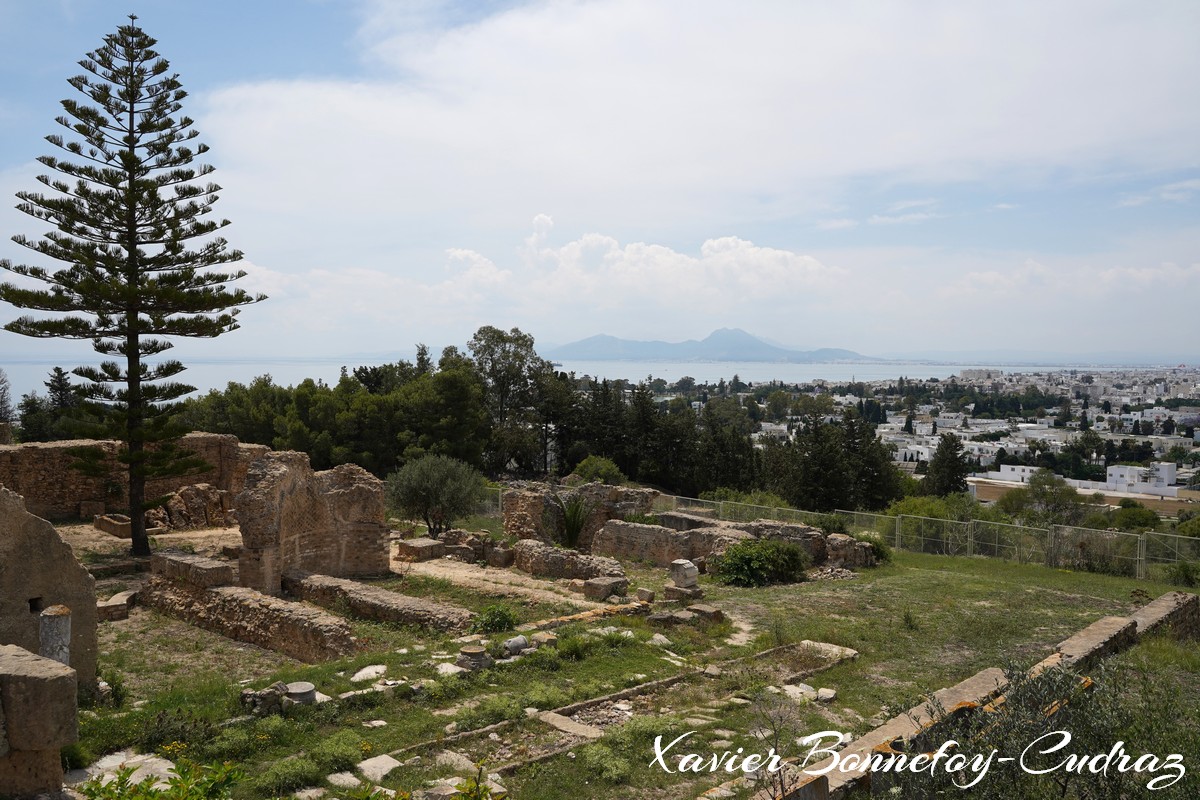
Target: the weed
(909, 619)
(495, 619)
(287, 776)
(760, 562)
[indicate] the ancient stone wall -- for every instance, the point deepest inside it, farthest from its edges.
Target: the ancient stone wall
(302, 632)
(42, 473)
(38, 716)
(659, 545)
(531, 512)
(329, 522)
(376, 603)
(38, 570)
(541, 559)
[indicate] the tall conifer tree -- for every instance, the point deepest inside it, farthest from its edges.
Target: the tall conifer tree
(128, 210)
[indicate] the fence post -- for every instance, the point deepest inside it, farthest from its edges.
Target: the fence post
(971, 537)
(1142, 570)
(721, 509)
(1051, 555)
(898, 530)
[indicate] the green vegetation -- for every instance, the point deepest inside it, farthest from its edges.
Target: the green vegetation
(126, 207)
(601, 469)
(496, 619)
(760, 562)
(436, 489)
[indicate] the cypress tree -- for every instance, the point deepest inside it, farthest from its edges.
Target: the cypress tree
(128, 210)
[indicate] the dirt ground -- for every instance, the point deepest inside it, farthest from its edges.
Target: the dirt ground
(489, 580)
(84, 538)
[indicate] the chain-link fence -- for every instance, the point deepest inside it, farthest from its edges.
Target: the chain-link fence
(1149, 555)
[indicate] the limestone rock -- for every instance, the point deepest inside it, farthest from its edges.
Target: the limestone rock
(330, 522)
(684, 574)
(538, 558)
(38, 570)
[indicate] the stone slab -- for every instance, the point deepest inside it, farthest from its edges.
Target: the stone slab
(376, 769)
(605, 587)
(1179, 611)
(423, 549)
(568, 725)
(192, 569)
(1104, 637)
(38, 696)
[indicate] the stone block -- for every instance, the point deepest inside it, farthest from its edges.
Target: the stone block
(684, 617)
(707, 613)
(420, 549)
(645, 595)
(544, 638)
(461, 552)
(684, 573)
(501, 557)
(540, 559)
(603, 588)
(1104, 637)
(25, 773)
(1179, 611)
(375, 603)
(686, 595)
(195, 570)
(38, 696)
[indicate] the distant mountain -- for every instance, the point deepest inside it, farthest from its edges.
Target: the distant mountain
(727, 344)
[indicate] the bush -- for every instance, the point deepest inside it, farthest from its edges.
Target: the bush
(1184, 573)
(175, 729)
(190, 782)
(762, 562)
(435, 489)
(575, 648)
(338, 753)
(642, 519)
(545, 659)
(1188, 527)
(288, 775)
(599, 468)
(495, 619)
(757, 497)
(832, 523)
(881, 549)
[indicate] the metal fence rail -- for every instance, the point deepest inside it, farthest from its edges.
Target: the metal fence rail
(1143, 556)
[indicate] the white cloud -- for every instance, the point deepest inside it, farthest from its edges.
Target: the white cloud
(1178, 192)
(902, 219)
(837, 224)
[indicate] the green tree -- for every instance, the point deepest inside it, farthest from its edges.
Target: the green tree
(1046, 500)
(948, 469)
(435, 489)
(7, 414)
(509, 367)
(125, 212)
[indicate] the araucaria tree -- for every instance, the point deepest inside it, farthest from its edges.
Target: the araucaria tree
(128, 210)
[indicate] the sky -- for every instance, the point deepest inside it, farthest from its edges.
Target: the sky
(884, 177)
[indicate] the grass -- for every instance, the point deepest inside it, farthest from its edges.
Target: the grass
(921, 623)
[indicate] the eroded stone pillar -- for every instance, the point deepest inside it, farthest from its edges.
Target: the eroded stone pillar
(55, 634)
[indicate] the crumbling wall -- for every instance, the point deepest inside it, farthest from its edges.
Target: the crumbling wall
(539, 558)
(376, 603)
(38, 716)
(192, 588)
(42, 472)
(39, 570)
(531, 512)
(330, 522)
(659, 545)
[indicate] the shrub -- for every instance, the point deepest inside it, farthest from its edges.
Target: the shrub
(288, 775)
(436, 489)
(575, 648)
(545, 659)
(339, 752)
(599, 468)
(881, 549)
(174, 728)
(761, 562)
(190, 782)
(495, 619)
(757, 497)
(544, 695)
(1184, 573)
(832, 523)
(572, 515)
(1188, 527)
(641, 519)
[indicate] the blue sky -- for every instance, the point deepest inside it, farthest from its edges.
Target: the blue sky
(880, 177)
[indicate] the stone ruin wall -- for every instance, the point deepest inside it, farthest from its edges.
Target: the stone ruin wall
(544, 560)
(37, 718)
(330, 522)
(42, 473)
(695, 540)
(531, 513)
(39, 570)
(196, 590)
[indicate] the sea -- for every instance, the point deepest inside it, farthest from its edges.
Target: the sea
(27, 374)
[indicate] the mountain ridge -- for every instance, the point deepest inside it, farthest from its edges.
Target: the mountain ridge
(724, 344)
